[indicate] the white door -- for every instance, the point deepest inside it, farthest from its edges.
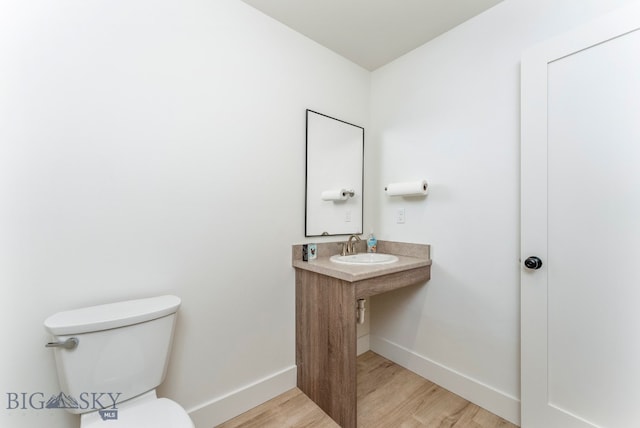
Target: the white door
(581, 218)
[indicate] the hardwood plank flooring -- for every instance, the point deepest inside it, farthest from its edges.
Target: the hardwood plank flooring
(291, 409)
(388, 396)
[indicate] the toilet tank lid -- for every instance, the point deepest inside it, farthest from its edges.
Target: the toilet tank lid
(111, 315)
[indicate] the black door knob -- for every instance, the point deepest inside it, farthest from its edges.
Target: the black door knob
(533, 262)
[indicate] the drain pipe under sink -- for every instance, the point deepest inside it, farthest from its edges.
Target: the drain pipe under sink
(360, 311)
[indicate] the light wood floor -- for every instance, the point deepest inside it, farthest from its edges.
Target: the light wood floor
(388, 396)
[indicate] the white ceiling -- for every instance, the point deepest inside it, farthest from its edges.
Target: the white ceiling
(372, 33)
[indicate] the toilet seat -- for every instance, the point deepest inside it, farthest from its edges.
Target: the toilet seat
(154, 413)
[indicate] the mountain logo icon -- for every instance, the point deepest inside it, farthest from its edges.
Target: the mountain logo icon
(62, 401)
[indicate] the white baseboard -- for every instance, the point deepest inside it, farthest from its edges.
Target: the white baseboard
(230, 405)
(497, 402)
(362, 345)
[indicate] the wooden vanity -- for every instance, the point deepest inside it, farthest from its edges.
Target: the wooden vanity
(326, 299)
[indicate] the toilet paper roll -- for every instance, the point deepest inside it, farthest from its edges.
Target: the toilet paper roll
(335, 195)
(412, 188)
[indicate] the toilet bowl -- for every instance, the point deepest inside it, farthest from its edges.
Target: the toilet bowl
(147, 411)
(111, 358)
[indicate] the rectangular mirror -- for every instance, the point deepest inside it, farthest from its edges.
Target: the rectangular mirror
(334, 176)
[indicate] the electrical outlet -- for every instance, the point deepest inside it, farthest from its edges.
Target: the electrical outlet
(400, 216)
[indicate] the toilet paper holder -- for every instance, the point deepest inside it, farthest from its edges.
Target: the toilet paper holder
(337, 195)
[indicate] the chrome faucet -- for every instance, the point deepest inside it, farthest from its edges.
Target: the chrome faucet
(349, 246)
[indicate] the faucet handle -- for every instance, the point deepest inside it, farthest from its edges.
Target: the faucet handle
(344, 249)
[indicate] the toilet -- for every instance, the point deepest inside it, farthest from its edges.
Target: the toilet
(110, 359)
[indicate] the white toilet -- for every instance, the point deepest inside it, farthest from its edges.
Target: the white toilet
(110, 358)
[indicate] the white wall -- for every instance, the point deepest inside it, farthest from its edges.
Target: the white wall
(449, 112)
(139, 144)
(136, 144)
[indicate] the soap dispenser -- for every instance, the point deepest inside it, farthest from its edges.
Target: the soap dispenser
(372, 243)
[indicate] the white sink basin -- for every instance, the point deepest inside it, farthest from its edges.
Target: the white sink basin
(364, 259)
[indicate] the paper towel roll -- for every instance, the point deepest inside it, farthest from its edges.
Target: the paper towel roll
(412, 188)
(335, 195)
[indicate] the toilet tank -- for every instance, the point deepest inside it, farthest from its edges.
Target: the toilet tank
(123, 350)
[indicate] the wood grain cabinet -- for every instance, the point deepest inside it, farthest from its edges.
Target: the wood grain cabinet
(326, 299)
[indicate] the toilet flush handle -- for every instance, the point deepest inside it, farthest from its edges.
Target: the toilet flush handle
(70, 343)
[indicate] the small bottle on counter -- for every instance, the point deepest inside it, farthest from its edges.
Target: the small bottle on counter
(309, 252)
(372, 244)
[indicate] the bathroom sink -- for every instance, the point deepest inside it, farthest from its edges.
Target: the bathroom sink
(364, 259)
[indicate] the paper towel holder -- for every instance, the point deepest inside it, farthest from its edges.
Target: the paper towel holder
(411, 188)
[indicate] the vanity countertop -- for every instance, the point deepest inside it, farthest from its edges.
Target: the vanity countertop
(410, 256)
(352, 273)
